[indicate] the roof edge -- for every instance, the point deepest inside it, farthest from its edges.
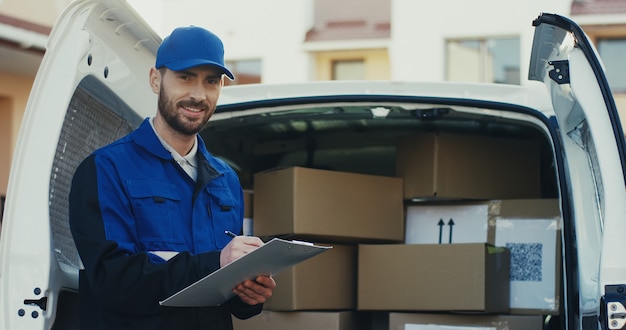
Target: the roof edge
(23, 34)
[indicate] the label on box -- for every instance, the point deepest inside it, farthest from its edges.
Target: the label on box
(446, 224)
(532, 243)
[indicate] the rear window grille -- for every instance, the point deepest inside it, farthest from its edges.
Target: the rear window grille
(88, 125)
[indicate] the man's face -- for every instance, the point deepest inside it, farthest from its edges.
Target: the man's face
(188, 98)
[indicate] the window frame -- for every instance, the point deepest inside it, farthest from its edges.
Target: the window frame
(485, 71)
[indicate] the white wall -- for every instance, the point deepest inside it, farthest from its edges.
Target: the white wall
(420, 28)
(270, 30)
(38, 12)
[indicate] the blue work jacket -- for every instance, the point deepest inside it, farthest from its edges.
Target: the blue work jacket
(129, 202)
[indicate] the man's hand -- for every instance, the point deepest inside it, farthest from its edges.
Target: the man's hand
(237, 247)
(252, 292)
(256, 291)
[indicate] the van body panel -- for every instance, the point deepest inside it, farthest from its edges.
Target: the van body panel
(92, 88)
(566, 62)
(99, 52)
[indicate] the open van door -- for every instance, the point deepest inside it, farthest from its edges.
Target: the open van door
(594, 225)
(89, 91)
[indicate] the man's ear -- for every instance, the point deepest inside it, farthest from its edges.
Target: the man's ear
(155, 80)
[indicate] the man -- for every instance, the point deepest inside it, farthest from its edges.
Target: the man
(149, 212)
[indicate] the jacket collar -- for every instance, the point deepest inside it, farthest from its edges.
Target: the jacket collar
(145, 137)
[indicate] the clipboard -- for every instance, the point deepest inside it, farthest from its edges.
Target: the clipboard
(271, 258)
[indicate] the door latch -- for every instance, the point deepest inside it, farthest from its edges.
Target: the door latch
(560, 73)
(612, 310)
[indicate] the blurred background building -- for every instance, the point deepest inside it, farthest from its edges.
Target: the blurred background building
(286, 41)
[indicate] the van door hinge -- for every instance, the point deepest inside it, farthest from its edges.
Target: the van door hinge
(560, 73)
(612, 310)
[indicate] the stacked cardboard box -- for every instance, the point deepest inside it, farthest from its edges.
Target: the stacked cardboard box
(470, 221)
(396, 269)
(527, 227)
(326, 207)
(332, 206)
(451, 166)
(325, 282)
(310, 320)
(432, 277)
(417, 321)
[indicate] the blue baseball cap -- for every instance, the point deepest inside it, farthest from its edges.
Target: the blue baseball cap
(191, 46)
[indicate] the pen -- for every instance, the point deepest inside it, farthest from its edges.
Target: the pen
(230, 233)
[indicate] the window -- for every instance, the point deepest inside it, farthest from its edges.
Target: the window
(489, 60)
(348, 70)
(245, 71)
(612, 54)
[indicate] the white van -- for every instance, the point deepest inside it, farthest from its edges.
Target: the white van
(92, 89)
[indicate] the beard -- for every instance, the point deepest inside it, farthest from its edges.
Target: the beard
(176, 120)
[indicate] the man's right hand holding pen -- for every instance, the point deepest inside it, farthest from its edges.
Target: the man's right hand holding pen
(254, 291)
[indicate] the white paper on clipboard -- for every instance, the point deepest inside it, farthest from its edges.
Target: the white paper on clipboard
(271, 258)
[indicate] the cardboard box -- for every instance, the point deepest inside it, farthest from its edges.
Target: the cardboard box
(470, 222)
(527, 227)
(328, 206)
(269, 320)
(433, 277)
(326, 282)
(403, 321)
(450, 166)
